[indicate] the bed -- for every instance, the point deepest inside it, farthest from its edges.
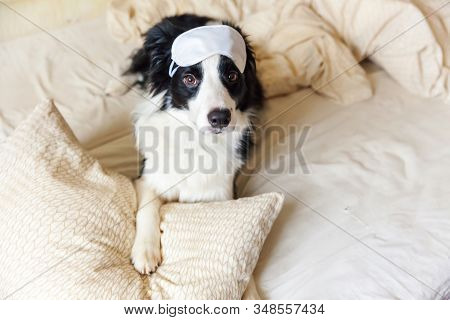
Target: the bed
(367, 211)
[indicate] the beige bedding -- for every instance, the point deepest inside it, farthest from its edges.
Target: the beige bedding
(371, 219)
(302, 43)
(380, 168)
(72, 67)
(20, 17)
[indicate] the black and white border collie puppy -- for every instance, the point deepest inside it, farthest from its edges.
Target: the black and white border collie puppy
(209, 107)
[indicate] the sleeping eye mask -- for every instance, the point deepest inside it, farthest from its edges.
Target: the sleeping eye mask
(198, 44)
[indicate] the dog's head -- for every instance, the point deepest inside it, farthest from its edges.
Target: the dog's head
(214, 92)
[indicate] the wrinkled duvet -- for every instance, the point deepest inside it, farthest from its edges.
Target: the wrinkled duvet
(367, 212)
(312, 42)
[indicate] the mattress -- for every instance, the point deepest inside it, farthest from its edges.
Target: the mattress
(367, 212)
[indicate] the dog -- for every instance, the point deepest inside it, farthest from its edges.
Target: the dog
(212, 104)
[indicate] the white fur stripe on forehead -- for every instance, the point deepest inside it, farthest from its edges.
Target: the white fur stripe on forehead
(197, 44)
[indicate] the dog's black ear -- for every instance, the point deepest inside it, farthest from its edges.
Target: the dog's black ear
(254, 96)
(140, 63)
(158, 45)
(255, 93)
(152, 61)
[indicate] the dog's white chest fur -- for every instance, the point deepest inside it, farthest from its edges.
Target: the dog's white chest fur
(183, 163)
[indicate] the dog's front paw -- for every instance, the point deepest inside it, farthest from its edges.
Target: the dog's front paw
(146, 255)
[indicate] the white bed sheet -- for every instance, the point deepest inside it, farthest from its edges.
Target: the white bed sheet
(372, 220)
(71, 65)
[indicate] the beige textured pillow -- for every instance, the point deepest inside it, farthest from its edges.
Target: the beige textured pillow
(67, 227)
(211, 249)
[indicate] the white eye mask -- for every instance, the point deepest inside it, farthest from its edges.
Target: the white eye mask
(197, 44)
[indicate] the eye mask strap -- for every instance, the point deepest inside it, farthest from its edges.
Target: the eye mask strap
(172, 69)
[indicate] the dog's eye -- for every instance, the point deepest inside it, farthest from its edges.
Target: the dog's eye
(232, 76)
(190, 80)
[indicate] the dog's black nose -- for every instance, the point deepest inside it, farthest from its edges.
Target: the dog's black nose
(219, 118)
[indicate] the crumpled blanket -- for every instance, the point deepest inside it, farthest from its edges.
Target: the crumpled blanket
(319, 43)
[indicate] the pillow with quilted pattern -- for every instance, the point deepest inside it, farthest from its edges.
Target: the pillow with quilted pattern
(67, 227)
